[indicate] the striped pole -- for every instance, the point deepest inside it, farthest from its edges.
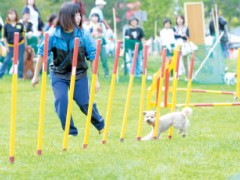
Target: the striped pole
(207, 91)
(141, 108)
(167, 76)
(124, 123)
(14, 98)
(209, 104)
(190, 80)
(159, 100)
(112, 89)
(43, 95)
(71, 92)
(174, 91)
(238, 76)
(92, 92)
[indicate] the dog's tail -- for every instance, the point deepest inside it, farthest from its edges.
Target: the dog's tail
(187, 111)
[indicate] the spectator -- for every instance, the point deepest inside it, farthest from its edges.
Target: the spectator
(133, 35)
(167, 37)
(64, 32)
(181, 33)
(35, 17)
(13, 25)
(222, 26)
(99, 5)
(51, 21)
(28, 26)
(98, 30)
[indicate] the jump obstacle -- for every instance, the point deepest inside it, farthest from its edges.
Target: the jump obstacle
(160, 82)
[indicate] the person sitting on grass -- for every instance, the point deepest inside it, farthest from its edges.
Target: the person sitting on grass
(61, 44)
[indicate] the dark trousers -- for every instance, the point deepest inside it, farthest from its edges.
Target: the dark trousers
(60, 89)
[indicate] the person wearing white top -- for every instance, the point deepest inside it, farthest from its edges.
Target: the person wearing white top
(99, 5)
(167, 37)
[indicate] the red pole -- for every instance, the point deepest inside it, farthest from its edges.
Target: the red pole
(116, 57)
(145, 60)
(45, 56)
(95, 67)
(191, 66)
(135, 58)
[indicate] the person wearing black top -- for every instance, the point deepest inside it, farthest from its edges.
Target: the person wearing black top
(222, 24)
(12, 25)
(133, 35)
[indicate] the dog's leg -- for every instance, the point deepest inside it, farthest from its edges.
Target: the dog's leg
(148, 137)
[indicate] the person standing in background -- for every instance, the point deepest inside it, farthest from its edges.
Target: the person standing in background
(133, 35)
(13, 25)
(99, 5)
(35, 17)
(222, 27)
(181, 33)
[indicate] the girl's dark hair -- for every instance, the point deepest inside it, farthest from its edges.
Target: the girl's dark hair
(12, 11)
(166, 20)
(34, 5)
(182, 17)
(96, 15)
(66, 16)
(51, 18)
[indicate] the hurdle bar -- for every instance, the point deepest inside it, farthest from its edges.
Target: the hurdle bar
(238, 76)
(207, 91)
(208, 104)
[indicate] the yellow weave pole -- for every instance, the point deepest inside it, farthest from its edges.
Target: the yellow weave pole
(174, 89)
(124, 123)
(92, 93)
(141, 108)
(14, 99)
(43, 95)
(190, 80)
(111, 93)
(159, 99)
(238, 77)
(71, 93)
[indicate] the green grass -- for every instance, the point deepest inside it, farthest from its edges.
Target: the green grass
(210, 150)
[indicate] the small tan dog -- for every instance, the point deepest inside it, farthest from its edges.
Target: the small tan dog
(178, 120)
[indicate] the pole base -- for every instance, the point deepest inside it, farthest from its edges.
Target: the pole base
(121, 139)
(139, 138)
(11, 159)
(64, 149)
(169, 137)
(154, 138)
(39, 152)
(104, 141)
(84, 146)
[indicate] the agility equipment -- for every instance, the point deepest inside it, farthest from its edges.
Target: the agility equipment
(14, 99)
(141, 108)
(71, 93)
(43, 95)
(124, 123)
(92, 93)
(111, 93)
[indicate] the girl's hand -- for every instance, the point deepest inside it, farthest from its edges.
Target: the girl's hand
(97, 87)
(34, 81)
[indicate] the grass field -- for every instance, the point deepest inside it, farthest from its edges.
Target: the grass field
(211, 149)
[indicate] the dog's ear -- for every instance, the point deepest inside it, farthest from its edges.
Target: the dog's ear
(144, 113)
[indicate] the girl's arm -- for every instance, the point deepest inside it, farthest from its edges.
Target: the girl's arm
(38, 68)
